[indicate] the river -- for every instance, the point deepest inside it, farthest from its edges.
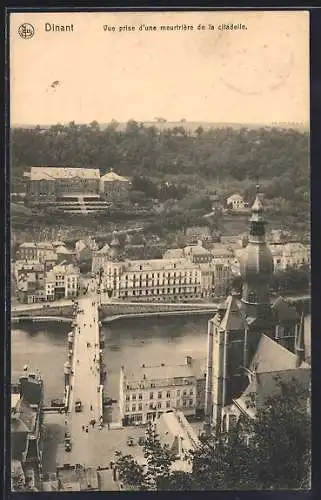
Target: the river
(128, 341)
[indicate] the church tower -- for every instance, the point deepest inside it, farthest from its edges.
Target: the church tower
(226, 357)
(256, 269)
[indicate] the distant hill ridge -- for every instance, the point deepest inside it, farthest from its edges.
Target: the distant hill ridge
(188, 125)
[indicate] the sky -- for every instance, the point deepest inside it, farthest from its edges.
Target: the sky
(254, 75)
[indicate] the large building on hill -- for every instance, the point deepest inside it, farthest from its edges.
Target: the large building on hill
(74, 190)
(114, 187)
(50, 182)
(252, 342)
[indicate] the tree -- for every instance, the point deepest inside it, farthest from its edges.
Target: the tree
(155, 474)
(273, 451)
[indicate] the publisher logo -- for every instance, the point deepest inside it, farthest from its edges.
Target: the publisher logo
(26, 30)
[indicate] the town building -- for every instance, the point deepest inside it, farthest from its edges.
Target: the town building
(153, 279)
(29, 278)
(251, 341)
(114, 187)
(215, 264)
(175, 432)
(26, 425)
(235, 202)
(37, 251)
(148, 391)
(193, 234)
(286, 256)
(62, 282)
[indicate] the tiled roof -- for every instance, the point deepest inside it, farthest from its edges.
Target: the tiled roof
(54, 173)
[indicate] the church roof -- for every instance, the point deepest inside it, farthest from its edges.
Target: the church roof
(271, 363)
(233, 319)
(270, 357)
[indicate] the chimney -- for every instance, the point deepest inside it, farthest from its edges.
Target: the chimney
(188, 360)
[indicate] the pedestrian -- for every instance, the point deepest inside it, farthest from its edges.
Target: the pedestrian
(91, 407)
(108, 426)
(77, 361)
(87, 429)
(83, 427)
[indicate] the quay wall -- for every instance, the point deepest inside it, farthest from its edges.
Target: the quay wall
(64, 312)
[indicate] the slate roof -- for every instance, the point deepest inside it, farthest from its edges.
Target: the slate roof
(270, 357)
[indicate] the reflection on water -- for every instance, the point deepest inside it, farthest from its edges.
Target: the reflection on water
(150, 340)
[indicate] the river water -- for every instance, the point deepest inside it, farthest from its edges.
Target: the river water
(127, 342)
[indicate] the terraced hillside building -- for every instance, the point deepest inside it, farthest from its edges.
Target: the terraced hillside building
(46, 182)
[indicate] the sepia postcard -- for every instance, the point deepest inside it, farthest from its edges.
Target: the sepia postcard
(160, 251)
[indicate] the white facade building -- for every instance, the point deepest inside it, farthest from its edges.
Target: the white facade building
(149, 391)
(155, 279)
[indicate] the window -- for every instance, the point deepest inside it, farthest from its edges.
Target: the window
(127, 408)
(151, 395)
(191, 392)
(140, 406)
(159, 394)
(168, 404)
(127, 397)
(134, 396)
(140, 396)
(151, 406)
(134, 408)
(168, 394)
(191, 402)
(159, 405)
(178, 393)
(184, 393)
(184, 402)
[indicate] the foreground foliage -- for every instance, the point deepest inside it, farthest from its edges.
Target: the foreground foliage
(271, 452)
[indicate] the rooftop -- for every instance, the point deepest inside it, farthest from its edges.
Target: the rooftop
(270, 357)
(173, 426)
(111, 176)
(56, 173)
(158, 264)
(159, 372)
